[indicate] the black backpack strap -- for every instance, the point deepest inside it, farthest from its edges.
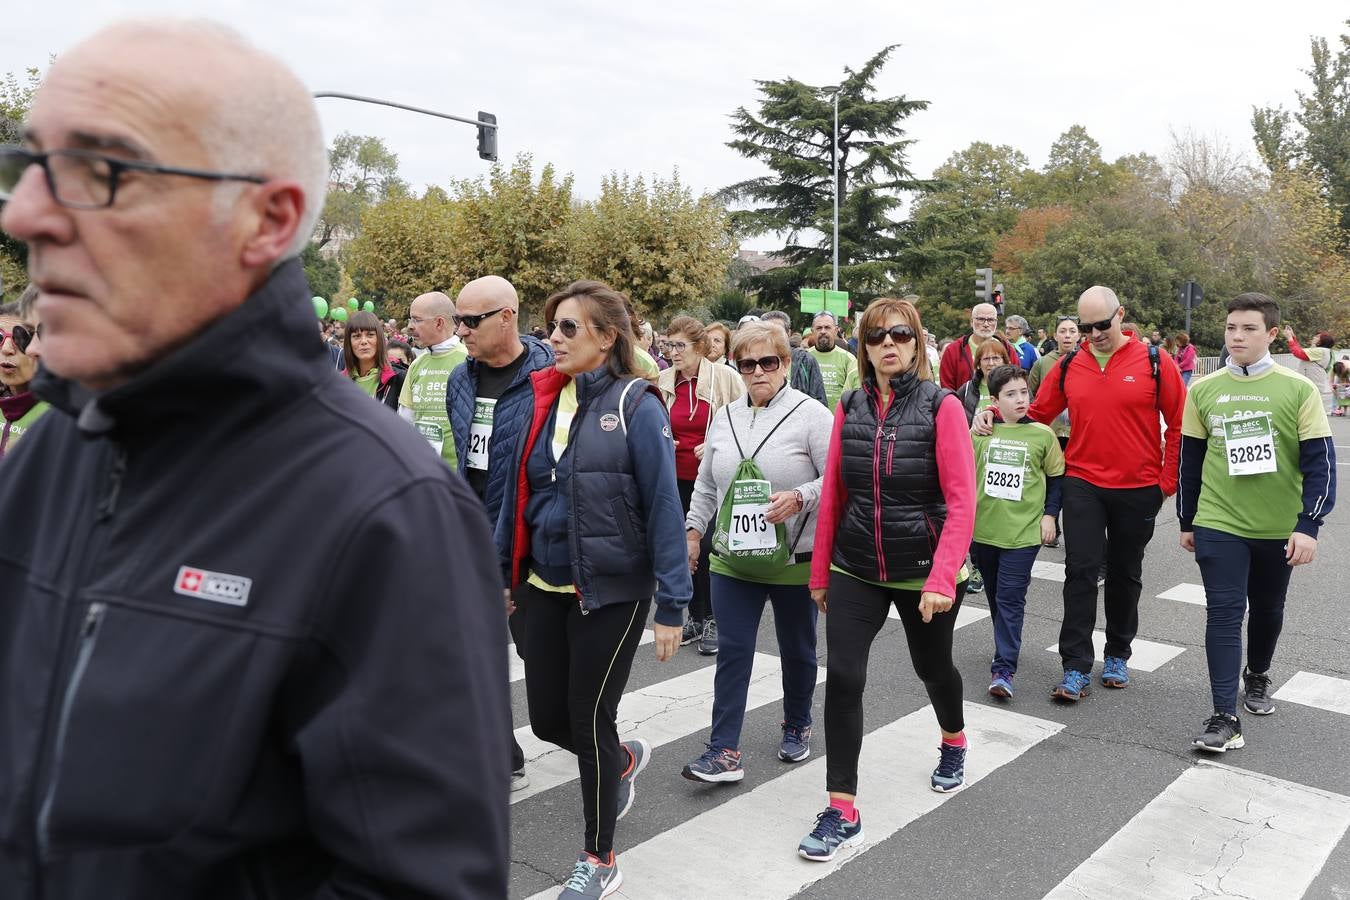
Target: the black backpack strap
(1064, 368)
(774, 428)
(732, 426)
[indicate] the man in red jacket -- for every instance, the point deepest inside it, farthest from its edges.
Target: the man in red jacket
(1118, 469)
(958, 360)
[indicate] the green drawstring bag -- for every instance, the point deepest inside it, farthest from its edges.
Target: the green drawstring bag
(744, 540)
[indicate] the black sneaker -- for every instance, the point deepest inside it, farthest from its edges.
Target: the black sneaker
(1222, 733)
(1256, 693)
(692, 631)
(707, 643)
(976, 583)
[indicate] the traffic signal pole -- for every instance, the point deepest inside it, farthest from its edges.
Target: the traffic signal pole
(486, 122)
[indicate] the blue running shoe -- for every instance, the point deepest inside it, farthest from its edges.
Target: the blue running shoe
(1114, 672)
(715, 766)
(591, 879)
(1073, 688)
(950, 774)
(796, 745)
(639, 753)
(831, 834)
(1001, 685)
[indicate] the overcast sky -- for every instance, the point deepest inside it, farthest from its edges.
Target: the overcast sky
(594, 87)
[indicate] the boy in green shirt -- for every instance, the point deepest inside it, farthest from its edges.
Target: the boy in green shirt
(1019, 468)
(1258, 476)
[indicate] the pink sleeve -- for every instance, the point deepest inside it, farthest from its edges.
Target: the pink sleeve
(832, 499)
(956, 475)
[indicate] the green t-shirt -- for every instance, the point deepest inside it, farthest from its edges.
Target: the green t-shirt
(1011, 466)
(424, 389)
(838, 371)
(1102, 358)
(368, 382)
(1223, 409)
(646, 363)
(22, 424)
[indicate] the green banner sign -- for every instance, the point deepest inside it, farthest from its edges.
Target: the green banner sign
(813, 300)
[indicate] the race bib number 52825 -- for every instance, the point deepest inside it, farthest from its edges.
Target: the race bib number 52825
(1249, 443)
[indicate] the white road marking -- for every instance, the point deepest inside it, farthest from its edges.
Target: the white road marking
(1146, 656)
(1320, 691)
(756, 834)
(964, 616)
(661, 713)
(517, 665)
(1216, 832)
(1185, 593)
(1050, 571)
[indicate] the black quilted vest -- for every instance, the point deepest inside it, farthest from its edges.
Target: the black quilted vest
(895, 511)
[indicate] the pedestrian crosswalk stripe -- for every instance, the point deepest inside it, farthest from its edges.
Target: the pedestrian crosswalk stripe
(965, 615)
(1185, 593)
(517, 665)
(661, 713)
(1320, 691)
(756, 834)
(1146, 656)
(1049, 571)
(1242, 834)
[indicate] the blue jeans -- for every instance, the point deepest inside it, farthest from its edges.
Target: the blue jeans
(1239, 572)
(737, 606)
(1007, 575)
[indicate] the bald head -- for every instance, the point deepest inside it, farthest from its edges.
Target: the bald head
(1097, 305)
(244, 109)
(431, 304)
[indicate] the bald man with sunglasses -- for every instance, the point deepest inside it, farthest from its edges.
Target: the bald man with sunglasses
(1119, 468)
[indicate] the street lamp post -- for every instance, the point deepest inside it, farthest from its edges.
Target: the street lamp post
(486, 122)
(834, 157)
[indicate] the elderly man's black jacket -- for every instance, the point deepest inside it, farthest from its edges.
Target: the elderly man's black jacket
(251, 637)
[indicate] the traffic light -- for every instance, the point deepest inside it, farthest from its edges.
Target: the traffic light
(984, 285)
(487, 136)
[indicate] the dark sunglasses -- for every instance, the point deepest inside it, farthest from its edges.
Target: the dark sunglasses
(1103, 325)
(1074, 319)
(767, 363)
(568, 327)
(472, 322)
(901, 334)
(20, 335)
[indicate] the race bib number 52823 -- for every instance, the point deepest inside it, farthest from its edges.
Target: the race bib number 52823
(1004, 472)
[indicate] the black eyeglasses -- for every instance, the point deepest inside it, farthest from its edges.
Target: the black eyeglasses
(19, 334)
(79, 179)
(1104, 324)
(767, 363)
(472, 322)
(568, 327)
(901, 334)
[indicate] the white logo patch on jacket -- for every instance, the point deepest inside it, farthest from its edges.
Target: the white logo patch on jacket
(215, 586)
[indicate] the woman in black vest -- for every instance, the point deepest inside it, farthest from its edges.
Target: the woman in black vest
(896, 517)
(590, 528)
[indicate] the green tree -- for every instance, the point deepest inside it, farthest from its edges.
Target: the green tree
(362, 171)
(792, 134)
(322, 272)
(16, 95)
(404, 249)
(1075, 172)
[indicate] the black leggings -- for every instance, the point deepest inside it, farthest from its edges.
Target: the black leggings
(856, 611)
(700, 605)
(576, 667)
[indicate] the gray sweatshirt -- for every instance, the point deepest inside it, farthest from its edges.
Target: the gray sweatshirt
(793, 458)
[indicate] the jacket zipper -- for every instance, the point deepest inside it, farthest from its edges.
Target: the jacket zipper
(876, 486)
(88, 638)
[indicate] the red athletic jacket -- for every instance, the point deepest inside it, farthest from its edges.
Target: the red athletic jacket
(1116, 439)
(957, 367)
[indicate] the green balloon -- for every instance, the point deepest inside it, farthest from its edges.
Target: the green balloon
(353, 304)
(320, 307)
(339, 314)
(369, 306)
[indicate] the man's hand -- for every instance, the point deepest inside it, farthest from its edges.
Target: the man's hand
(510, 604)
(1188, 541)
(667, 640)
(931, 602)
(818, 595)
(782, 506)
(1300, 549)
(983, 424)
(1047, 529)
(692, 542)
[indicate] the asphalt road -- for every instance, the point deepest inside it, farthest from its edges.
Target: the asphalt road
(1055, 783)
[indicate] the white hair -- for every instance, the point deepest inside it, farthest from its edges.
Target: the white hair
(264, 124)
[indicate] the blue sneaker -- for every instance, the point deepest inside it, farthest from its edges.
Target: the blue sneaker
(1001, 685)
(639, 754)
(591, 879)
(1073, 688)
(715, 766)
(1114, 672)
(831, 834)
(950, 774)
(796, 745)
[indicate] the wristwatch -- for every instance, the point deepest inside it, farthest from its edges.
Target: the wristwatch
(801, 501)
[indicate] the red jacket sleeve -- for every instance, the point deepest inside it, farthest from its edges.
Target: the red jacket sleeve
(833, 496)
(1295, 349)
(1050, 400)
(956, 474)
(1171, 403)
(949, 375)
